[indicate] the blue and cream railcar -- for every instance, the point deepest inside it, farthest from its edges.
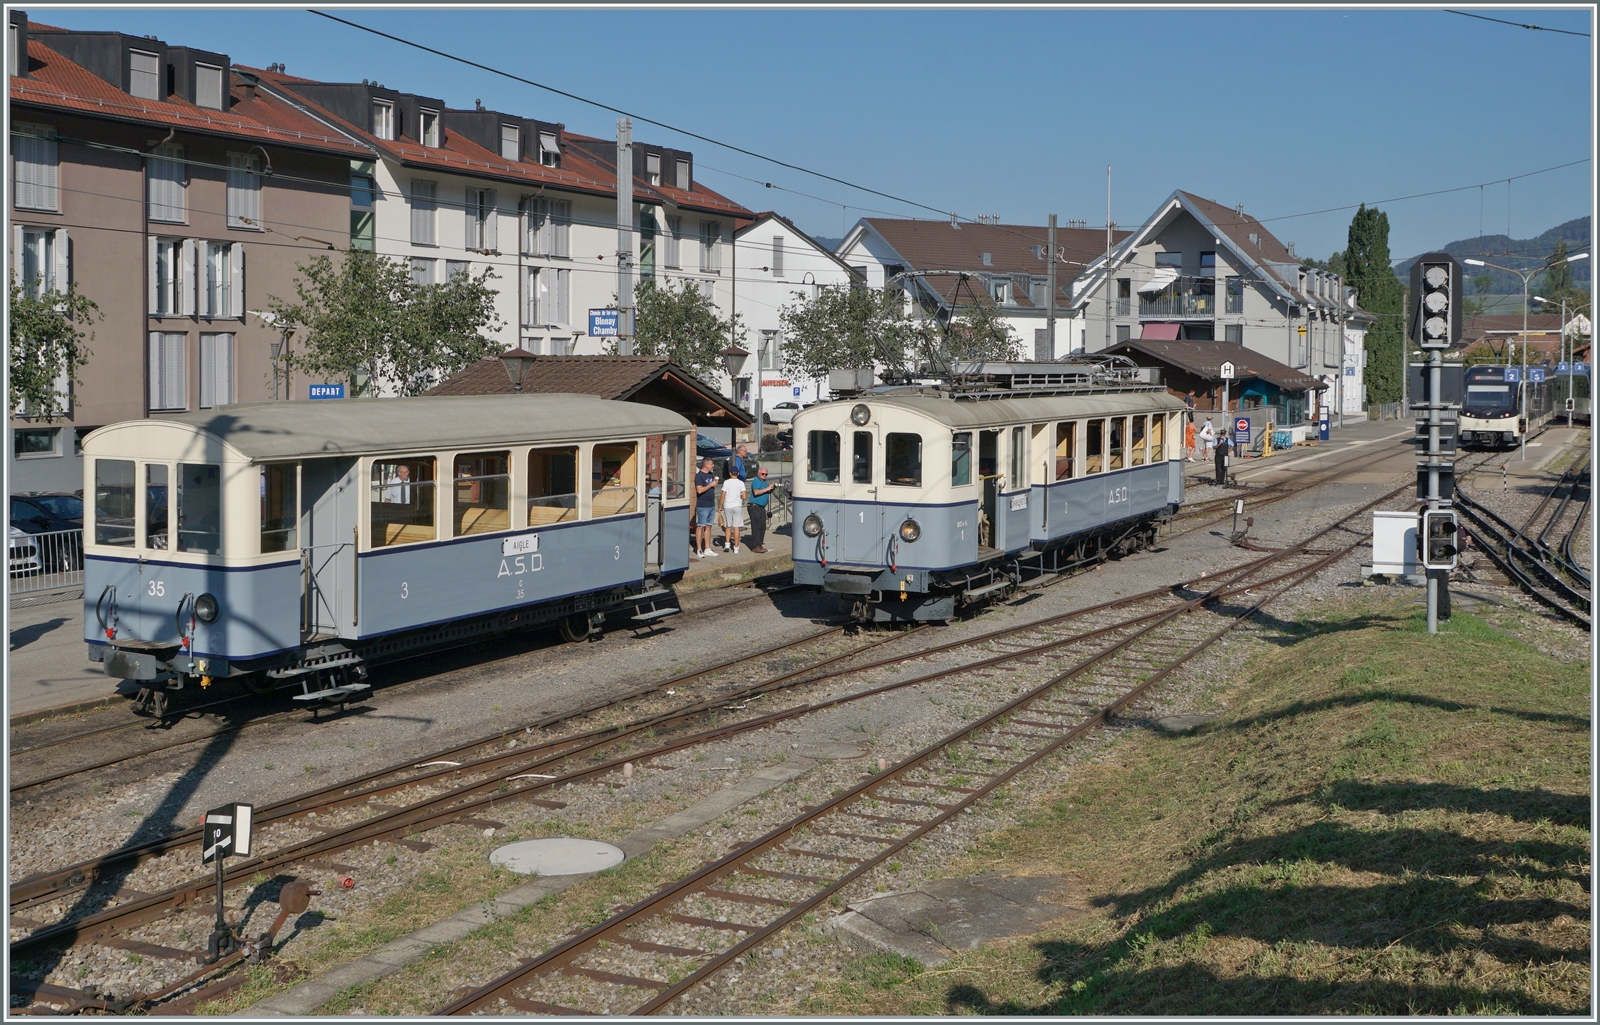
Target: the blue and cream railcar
(912, 502)
(301, 541)
(1498, 409)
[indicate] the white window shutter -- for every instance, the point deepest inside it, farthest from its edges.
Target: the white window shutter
(561, 297)
(471, 209)
(542, 297)
(177, 384)
(530, 308)
(154, 297)
(235, 300)
(491, 222)
(187, 285)
(224, 358)
(208, 371)
(63, 267)
(155, 370)
(563, 227)
(16, 253)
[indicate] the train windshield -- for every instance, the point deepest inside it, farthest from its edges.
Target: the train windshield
(1489, 398)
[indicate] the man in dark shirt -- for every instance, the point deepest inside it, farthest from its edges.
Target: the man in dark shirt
(1224, 446)
(705, 508)
(760, 493)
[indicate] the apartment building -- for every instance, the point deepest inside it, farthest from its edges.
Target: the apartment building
(176, 195)
(1200, 271)
(945, 266)
(781, 265)
(453, 190)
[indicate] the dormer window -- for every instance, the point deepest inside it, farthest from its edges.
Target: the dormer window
(208, 86)
(987, 259)
(549, 150)
(144, 75)
(683, 175)
(430, 127)
(652, 168)
(510, 142)
(1255, 240)
(1002, 289)
(383, 119)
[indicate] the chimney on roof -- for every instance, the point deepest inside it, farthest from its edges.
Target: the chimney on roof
(1238, 211)
(478, 104)
(1290, 247)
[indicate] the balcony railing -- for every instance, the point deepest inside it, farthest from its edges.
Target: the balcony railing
(1193, 297)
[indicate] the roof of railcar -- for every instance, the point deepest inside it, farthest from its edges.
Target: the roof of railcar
(305, 429)
(988, 412)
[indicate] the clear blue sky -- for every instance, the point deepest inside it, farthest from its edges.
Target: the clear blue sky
(1017, 113)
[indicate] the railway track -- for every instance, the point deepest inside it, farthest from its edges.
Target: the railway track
(222, 707)
(487, 780)
(645, 957)
(1550, 575)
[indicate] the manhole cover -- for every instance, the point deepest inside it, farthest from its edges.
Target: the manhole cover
(556, 856)
(832, 749)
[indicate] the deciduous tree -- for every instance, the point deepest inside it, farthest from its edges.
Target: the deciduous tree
(1368, 270)
(363, 316)
(48, 347)
(846, 326)
(679, 321)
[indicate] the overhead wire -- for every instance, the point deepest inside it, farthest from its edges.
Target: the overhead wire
(1519, 24)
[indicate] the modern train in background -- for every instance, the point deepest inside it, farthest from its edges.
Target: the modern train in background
(1492, 414)
(912, 502)
(288, 543)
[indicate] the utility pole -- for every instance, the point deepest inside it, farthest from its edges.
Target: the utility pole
(1435, 326)
(625, 236)
(1108, 257)
(1050, 294)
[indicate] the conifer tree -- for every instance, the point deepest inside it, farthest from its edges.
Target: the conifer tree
(1379, 292)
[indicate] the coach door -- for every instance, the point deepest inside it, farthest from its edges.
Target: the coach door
(989, 476)
(860, 535)
(654, 489)
(333, 496)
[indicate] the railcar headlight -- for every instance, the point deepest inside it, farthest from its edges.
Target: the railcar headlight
(860, 414)
(205, 608)
(910, 530)
(812, 525)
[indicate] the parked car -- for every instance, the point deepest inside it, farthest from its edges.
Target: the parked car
(782, 413)
(58, 515)
(706, 447)
(24, 554)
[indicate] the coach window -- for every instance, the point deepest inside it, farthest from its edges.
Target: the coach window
(961, 459)
(155, 505)
(279, 507)
(402, 500)
(1019, 457)
(822, 457)
(902, 460)
(1116, 457)
(1139, 441)
(482, 485)
(1158, 436)
(200, 508)
(861, 457)
(552, 485)
(1066, 448)
(113, 502)
(615, 477)
(1095, 461)
(673, 470)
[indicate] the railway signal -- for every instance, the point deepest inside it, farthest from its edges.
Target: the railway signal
(1436, 326)
(224, 832)
(1438, 539)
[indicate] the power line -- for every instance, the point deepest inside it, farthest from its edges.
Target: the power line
(638, 117)
(1519, 24)
(1422, 195)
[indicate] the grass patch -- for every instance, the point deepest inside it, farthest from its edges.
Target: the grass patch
(1382, 822)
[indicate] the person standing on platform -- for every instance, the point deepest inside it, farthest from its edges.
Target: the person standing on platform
(1188, 437)
(705, 508)
(760, 493)
(1208, 438)
(733, 492)
(1224, 446)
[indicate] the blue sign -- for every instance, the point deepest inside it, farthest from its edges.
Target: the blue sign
(1513, 375)
(1536, 375)
(1581, 369)
(796, 390)
(327, 391)
(605, 323)
(1241, 432)
(1563, 367)
(1349, 371)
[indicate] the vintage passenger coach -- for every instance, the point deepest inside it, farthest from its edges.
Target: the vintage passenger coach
(912, 501)
(297, 542)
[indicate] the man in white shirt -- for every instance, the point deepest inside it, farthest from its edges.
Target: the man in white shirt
(1208, 438)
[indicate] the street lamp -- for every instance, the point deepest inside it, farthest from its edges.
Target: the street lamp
(517, 363)
(733, 360)
(1522, 385)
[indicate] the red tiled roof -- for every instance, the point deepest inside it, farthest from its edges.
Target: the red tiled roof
(578, 171)
(609, 377)
(58, 83)
(1203, 360)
